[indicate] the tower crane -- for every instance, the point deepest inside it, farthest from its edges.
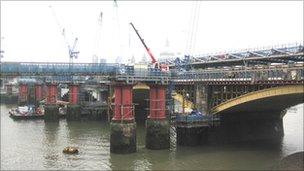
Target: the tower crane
(155, 63)
(72, 51)
(1, 51)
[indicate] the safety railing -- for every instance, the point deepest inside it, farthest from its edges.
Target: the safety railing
(132, 76)
(288, 49)
(159, 109)
(244, 74)
(38, 68)
(126, 112)
(66, 72)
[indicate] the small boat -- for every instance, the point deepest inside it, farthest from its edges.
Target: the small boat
(26, 112)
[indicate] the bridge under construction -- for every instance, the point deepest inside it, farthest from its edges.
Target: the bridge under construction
(223, 97)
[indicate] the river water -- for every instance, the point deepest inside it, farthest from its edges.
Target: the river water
(35, 145)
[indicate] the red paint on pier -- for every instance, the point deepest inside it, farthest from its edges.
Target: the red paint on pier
(157, 102)
(74, 91)
(38, 92)
(52, 94)
(23, 92)
(123, 102)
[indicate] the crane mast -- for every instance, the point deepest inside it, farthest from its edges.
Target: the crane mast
(72, 50)
(1, 50)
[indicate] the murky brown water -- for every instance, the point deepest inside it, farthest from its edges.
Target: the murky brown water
(33, 145)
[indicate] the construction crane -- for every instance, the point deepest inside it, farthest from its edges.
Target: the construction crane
(1, 51)
(72, 51)
(155, 64)
(1, 54)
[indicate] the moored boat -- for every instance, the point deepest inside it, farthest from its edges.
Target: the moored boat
(26, 112)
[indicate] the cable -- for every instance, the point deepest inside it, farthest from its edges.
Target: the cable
(98, 36)
(62, 30)
(196, 27)
(189, 31)
(117, 31)
(192, 28)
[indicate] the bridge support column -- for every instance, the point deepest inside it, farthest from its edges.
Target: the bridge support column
(23, 94)
(157, 126)
(38, 97)
(51, 108)
(102, 94)
(191, 135)
(38, 94)
(73, 109)
(123, 126)
(8, 97)
(201, 98)
(9, 89)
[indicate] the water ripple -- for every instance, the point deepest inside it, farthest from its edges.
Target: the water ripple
(30, 145)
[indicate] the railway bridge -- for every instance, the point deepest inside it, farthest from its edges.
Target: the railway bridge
(247, 92)
(249, 99)
(250, 103)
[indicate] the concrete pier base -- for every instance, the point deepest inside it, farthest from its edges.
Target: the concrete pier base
(248, 127)
(234, 128)
(157, 134)
(95, 114)
(8, 99)
(51, 113)
(73, 112)
(191, 135)
(123, 137)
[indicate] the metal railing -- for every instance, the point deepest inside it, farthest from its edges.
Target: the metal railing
(131, 76)
(62, 73)
(56, 68)
(243, 74)
(288, 49)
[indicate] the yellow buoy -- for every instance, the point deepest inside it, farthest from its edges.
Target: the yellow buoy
(70, 150)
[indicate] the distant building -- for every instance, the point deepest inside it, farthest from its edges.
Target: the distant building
(144, 59)
(118, 59)
(102, 60)
(94, 59)
(167, 53)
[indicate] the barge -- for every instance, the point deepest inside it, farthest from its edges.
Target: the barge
(26, 112)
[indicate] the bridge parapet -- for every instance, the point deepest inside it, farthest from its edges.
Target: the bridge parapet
(56, 68)
(251, 74)
(278, 54)
(156, 77)
(82, 72)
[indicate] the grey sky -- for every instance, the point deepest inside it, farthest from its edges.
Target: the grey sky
(30, 31)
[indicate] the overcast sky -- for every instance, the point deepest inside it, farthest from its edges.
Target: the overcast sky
(29, 31)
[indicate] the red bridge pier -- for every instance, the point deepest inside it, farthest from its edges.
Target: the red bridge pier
(38, 93)
(23, 94)
(123, 126)
(51, 108)
(38, 96)
(157, 126)
(73, 109)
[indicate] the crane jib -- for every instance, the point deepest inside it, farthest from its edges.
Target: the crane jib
(163, 67)
(142, 41)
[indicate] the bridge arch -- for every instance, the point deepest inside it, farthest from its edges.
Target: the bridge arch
(270, 99)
